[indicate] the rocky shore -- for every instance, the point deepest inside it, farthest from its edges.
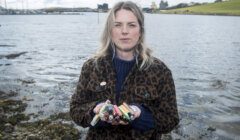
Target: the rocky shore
(15, 125)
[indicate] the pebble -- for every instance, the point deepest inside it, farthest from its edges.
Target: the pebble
(8, 128)
(32, 137)
(66, 137)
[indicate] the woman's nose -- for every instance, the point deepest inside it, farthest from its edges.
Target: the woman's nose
(125, 30)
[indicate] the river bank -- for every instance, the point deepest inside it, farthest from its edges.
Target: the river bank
(225, 8)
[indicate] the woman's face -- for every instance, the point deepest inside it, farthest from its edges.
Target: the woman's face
(125, 31)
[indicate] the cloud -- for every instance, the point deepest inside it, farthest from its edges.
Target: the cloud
(52, 2)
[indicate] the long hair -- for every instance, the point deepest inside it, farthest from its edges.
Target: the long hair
(141, 50)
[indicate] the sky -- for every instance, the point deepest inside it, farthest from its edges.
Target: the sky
(36, 4)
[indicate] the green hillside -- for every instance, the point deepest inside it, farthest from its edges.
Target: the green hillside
(231, 7)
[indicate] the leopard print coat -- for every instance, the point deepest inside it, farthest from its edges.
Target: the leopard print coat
(153, 88)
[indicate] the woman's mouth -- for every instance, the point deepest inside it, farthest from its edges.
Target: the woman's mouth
(125, 40)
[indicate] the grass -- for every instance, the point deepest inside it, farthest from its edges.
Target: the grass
(231, 7)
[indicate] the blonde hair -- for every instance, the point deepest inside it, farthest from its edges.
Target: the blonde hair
(106, 40)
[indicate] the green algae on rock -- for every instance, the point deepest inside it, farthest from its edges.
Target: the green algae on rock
(46, 129)
(15, 125)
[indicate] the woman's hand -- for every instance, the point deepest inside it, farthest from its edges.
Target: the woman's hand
(119, 122)
(96, 110)
(136, 111)
(106, 113)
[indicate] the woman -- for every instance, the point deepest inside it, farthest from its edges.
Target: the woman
(123, 70)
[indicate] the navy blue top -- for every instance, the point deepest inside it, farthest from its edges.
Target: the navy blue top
(122, 68)
(145, 121)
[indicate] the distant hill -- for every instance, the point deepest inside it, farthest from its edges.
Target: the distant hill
(64, 9)
(1, 8)
(231, 7)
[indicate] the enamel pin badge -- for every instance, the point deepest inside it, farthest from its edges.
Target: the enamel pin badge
(103, 83)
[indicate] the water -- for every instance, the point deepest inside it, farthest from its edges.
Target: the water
(202, 51)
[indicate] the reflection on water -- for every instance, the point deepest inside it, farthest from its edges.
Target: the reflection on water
(202, 51)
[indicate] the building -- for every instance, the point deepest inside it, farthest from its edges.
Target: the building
(163, 5)
(102, 7)
(3, 10)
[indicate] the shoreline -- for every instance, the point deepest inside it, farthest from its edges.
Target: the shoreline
(202, 14)
(17, 124)
(163, 13)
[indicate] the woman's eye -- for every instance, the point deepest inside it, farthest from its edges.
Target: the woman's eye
(117, 25)
(132, 25)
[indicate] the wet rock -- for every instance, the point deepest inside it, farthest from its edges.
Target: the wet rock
(45, 138)
(10, 105)
(43, 130)
(45, 90)
(14, 55)
(61, 115)
(40, 112)
(32, 137)
(67, 137)
(14, 135)
(81, 57)
(210, 128)
(14, 124)
(1, 110)
(219, 84)
(5, 45)
(17, 118)
(51, 98)
(25, 98)
(166, 137)
(3, 120)
(60, 131)
(5, 95)
(27, 81)
(6, 137)
(33, 115)
(45, 104)
(11, 114)
(8, 128)
(47, 129)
